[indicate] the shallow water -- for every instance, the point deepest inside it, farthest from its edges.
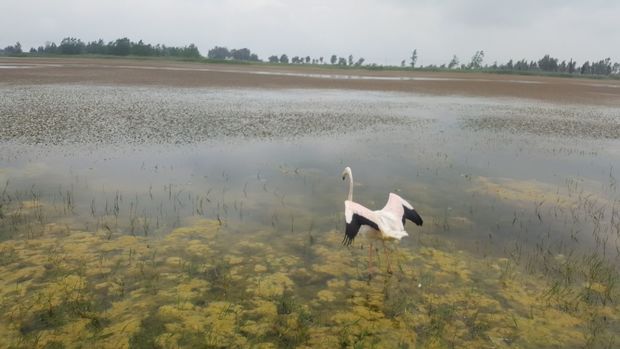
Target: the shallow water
(183, 217)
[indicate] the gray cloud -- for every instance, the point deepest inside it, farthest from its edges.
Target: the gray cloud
(384, 32)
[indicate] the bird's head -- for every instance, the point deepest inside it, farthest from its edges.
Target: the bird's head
(346, 172)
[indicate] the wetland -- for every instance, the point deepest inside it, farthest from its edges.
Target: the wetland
(138, 211)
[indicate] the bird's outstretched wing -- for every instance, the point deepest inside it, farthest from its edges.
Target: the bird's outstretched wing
(356, 216)
(400, 208)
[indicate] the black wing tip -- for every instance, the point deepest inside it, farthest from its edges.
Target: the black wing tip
(417, 219)
(347, 241)
(412, 215)
(351, 229)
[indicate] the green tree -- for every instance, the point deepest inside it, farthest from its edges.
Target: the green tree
(333, 59)
(141, 49)
(602, 67)
(359, 62)
(71, 46)
(476, 60)
(51, 48)
(284, 59)
(218, 52)
(571, 66)
(454, 62)
(414, 58)
(522, 65)
(190, 51)
(273, 59)
(342, 61)
(585, 68)
(14, 50)
(563, 67)
(548, 63)
(241, 54)
(120, 47)
(96, 47)
(350, 59)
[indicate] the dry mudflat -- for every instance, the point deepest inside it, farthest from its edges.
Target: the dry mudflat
(20, 71)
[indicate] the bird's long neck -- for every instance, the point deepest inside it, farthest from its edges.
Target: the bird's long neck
(350, 197)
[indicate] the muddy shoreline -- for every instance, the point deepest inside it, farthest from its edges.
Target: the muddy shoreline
(133, 72)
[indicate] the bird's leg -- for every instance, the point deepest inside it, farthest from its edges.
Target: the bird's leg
(369, 257)
(387, 257)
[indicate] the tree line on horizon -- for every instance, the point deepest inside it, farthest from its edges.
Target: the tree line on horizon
(119, 47)
(126, 47)
(546, 64)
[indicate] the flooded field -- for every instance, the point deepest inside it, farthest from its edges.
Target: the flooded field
(159, 216)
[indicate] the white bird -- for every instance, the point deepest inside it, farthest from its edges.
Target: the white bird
(387, 224)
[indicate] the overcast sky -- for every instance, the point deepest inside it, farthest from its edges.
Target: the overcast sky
(382, 31)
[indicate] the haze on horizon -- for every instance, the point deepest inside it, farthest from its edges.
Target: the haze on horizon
(383, 32)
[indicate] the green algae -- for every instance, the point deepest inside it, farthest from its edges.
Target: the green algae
(202, 286)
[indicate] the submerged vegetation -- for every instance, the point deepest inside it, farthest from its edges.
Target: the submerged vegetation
(203, 285)
(133, 280)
